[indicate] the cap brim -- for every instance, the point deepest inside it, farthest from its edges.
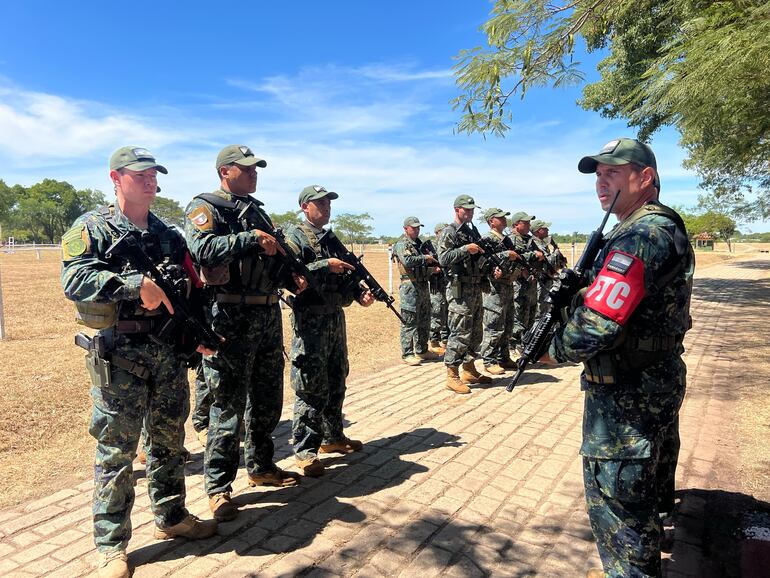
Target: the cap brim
(467, 206)
(331, 194)
(144, 165)
(251, 161)
(588, 165)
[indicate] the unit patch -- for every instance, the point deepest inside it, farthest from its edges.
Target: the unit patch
(75, 242)
(201, 217)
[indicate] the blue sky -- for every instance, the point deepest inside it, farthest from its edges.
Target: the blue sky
(350, 95)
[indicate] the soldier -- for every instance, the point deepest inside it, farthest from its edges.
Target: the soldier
(458, 254)
(414, 293)
(546, 270)
(136, 376)
(439, 330)
(239, 265)
(628, 333)
(498, 300)
(319, 349)
(525, 285)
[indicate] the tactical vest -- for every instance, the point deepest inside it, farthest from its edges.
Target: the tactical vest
(633, 354)
(414, 274)
(332, 287)
(251, 274)
(469, 269)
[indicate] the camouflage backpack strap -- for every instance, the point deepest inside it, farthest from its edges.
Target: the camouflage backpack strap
(315, 243)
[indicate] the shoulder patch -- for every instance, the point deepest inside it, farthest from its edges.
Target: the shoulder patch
(75, 242)
(618, 288)
(202, 218)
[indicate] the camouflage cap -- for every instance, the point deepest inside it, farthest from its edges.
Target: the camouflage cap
(439, 227)
(134, 159)
(621, 151)
(521, 216)
(315, 192)
(465, 202)
(539, 224)
(495, 212)
(412, 222)
(239, 155)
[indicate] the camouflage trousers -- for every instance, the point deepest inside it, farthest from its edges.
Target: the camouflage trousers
(120, 409)
(415, 309)
(439, 326)
(247, 369)
(544, 285)
(319, 367)
(498, 323)
(200, 413)
(525, 308)
(465, 325)
(625, 494)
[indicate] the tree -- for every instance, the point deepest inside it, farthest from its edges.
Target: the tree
(351, 228)
(718, 224)
(698, 65)
(169, 210)
(283, 220)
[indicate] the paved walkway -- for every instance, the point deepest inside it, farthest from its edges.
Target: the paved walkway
(465, 486)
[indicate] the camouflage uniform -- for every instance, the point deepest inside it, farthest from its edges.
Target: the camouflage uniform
(634, 379)
(414, 294)
(545, 271)
(463, 295)
(498, 312)
(248, 367)
(200, 413)
(524, 290)
(142, 381)
(439, 328)
(319, 348)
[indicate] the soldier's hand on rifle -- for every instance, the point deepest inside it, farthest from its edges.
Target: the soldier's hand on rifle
(473, 248)
(435, 270)
(497, 273)
(547, 360)
(430, 259)
(513, 255)
(268, 243)
(339, 266)
(540, 255)
(203, 350)
(152, 296)
(300, 282)
(366, 298)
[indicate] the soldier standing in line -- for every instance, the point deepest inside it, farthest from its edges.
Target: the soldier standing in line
(459, 255)
(239, 265)
(136, 376)
(525, 285)
(439, 329)
(498, 313)
(414, 293)
(319, 349)
(628, 333)
(546, 270)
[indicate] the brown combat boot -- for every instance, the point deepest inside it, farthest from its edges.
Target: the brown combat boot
(311, 467)
(471, 374)
(495, 369)
(222, 507)
(344, 446)
(595, 573)
(412, 360)
(113, 564)
(191, 528)
(437, 348)
(453, 381)
(427, 356)
(278, 478)
(509, 364)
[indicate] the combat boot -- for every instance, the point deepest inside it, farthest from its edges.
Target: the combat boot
(191, 528)
(222, 507)
(113, 564)
(595, 573)
(277, 477)
(344, 446)
(311, 467)
(495, 369)
(437, 348)
(412, 360)
(509, 364)
(471, 374)
(453, 381)
(427, 356)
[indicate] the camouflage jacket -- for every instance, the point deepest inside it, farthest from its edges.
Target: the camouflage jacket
(512, 268)
(453, 253)
(222, 240)
(554, 260)
(629, 333)
(521, 244)
(411, 262)
(338, 290)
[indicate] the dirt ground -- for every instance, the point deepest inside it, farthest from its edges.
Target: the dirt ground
(45, 406)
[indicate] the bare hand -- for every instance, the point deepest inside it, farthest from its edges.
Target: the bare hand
(473, 248)
(547, 360)
(429, 259)
(435, 270)
(339, 266)
(366, 298)
(497, 273)
(202, 349)
(268, 243)
(540, 256)
(152, 296)
(513, 255)
(300, 282)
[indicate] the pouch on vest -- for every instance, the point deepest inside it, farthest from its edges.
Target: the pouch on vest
(96, 315)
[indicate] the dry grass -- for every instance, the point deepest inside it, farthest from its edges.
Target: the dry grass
(45, 406)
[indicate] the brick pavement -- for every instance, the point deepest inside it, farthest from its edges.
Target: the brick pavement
(483, 485)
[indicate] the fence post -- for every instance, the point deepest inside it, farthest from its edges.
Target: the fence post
(390, 270)
(2, 315)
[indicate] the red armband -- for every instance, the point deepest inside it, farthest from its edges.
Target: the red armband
(618, 288)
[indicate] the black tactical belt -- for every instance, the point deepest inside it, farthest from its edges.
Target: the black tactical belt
(131, 367)
(655, 343)
(134, 325)
(413, 279)
(233, 299)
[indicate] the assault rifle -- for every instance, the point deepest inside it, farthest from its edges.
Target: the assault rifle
(360, 273)
(570, 281)
(428, 248)
(183, 323)
(488, 246)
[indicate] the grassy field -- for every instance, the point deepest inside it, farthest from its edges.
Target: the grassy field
(45, 406)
